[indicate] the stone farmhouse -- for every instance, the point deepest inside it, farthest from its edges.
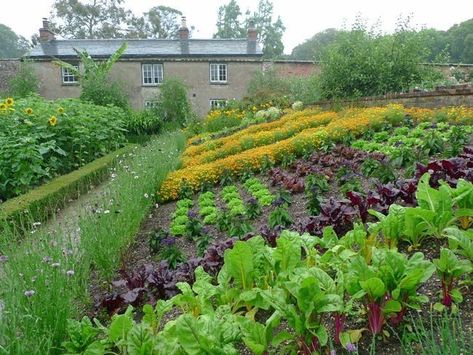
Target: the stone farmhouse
(214, 70)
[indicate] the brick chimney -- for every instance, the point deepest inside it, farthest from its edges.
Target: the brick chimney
(252, 38)
(252, 33)
(45, 34)
(183, 31)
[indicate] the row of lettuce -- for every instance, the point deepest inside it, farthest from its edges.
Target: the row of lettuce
(306, 293)
(295, 134)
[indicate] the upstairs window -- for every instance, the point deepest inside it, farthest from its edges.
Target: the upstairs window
(218, 73)
(152, 74)
(218, 103)
(68, 77)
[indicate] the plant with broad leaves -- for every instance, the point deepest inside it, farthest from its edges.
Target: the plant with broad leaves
(390, 226)
(450, 268)
(388, 285)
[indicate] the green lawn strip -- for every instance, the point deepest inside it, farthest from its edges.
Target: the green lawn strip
(46, 278)
(39, 204)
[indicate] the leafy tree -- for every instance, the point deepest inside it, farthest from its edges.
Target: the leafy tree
(228, 23)
(313, 48)
(163, 21)
(460, 39)
(11, 45)
(269, 32)
(93, 19)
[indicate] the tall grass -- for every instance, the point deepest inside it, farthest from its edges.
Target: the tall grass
(46, 278)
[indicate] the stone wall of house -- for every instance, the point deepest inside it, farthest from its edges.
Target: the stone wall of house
(194, 73)
(8, 69)
(458, 95)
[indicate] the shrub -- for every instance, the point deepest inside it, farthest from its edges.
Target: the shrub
(173, 104)
(305, 89)
(267, 87)
(103, 91)
(144, 122)
(363, 62)
(218, 120)
(25, 82)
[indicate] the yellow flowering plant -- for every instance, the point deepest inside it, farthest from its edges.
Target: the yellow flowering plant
(296, 133)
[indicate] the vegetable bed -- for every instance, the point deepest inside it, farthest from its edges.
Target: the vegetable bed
(355, 247)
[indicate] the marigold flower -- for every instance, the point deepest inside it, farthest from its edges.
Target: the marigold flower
(9, 101)
(3, 106)
(53, 120)
(29, 111)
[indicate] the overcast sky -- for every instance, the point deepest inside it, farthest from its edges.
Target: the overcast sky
(301, 18)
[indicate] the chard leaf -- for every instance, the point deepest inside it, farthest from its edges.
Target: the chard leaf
(392, 306)
(239, 264)
(374, 287)
(287, 254)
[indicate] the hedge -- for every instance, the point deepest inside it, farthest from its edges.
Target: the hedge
(40, 203)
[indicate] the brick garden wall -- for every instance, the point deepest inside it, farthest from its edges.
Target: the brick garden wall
(8, 68)
(458, 95)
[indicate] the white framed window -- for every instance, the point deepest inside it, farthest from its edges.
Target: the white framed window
(149, 104)
(218, 103)
(218, 73)
(152, 74)
(67, 76)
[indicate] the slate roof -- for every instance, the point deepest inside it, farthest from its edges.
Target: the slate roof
(143, 48)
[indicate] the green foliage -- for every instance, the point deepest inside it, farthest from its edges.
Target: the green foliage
(144, 122)
(228, 22)
(259, 191)
(269, 32)
(268, 86)
(280, 217)
(314, 47)
(13, 46)
(25, 82)
(170, 252)
(42, 317)
(363, 62)
(43, 139)
(97, 87)
(172, 103)
(39, 204)
(437, 336)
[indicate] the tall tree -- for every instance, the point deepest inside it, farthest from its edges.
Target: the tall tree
(313, 48)
(90, 19)
(229, 24)
(269, 32)
(459, 37)
(11, 45)
(163, 21)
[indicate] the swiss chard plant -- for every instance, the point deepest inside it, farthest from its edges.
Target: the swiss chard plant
(389, 285)
(450, 268)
